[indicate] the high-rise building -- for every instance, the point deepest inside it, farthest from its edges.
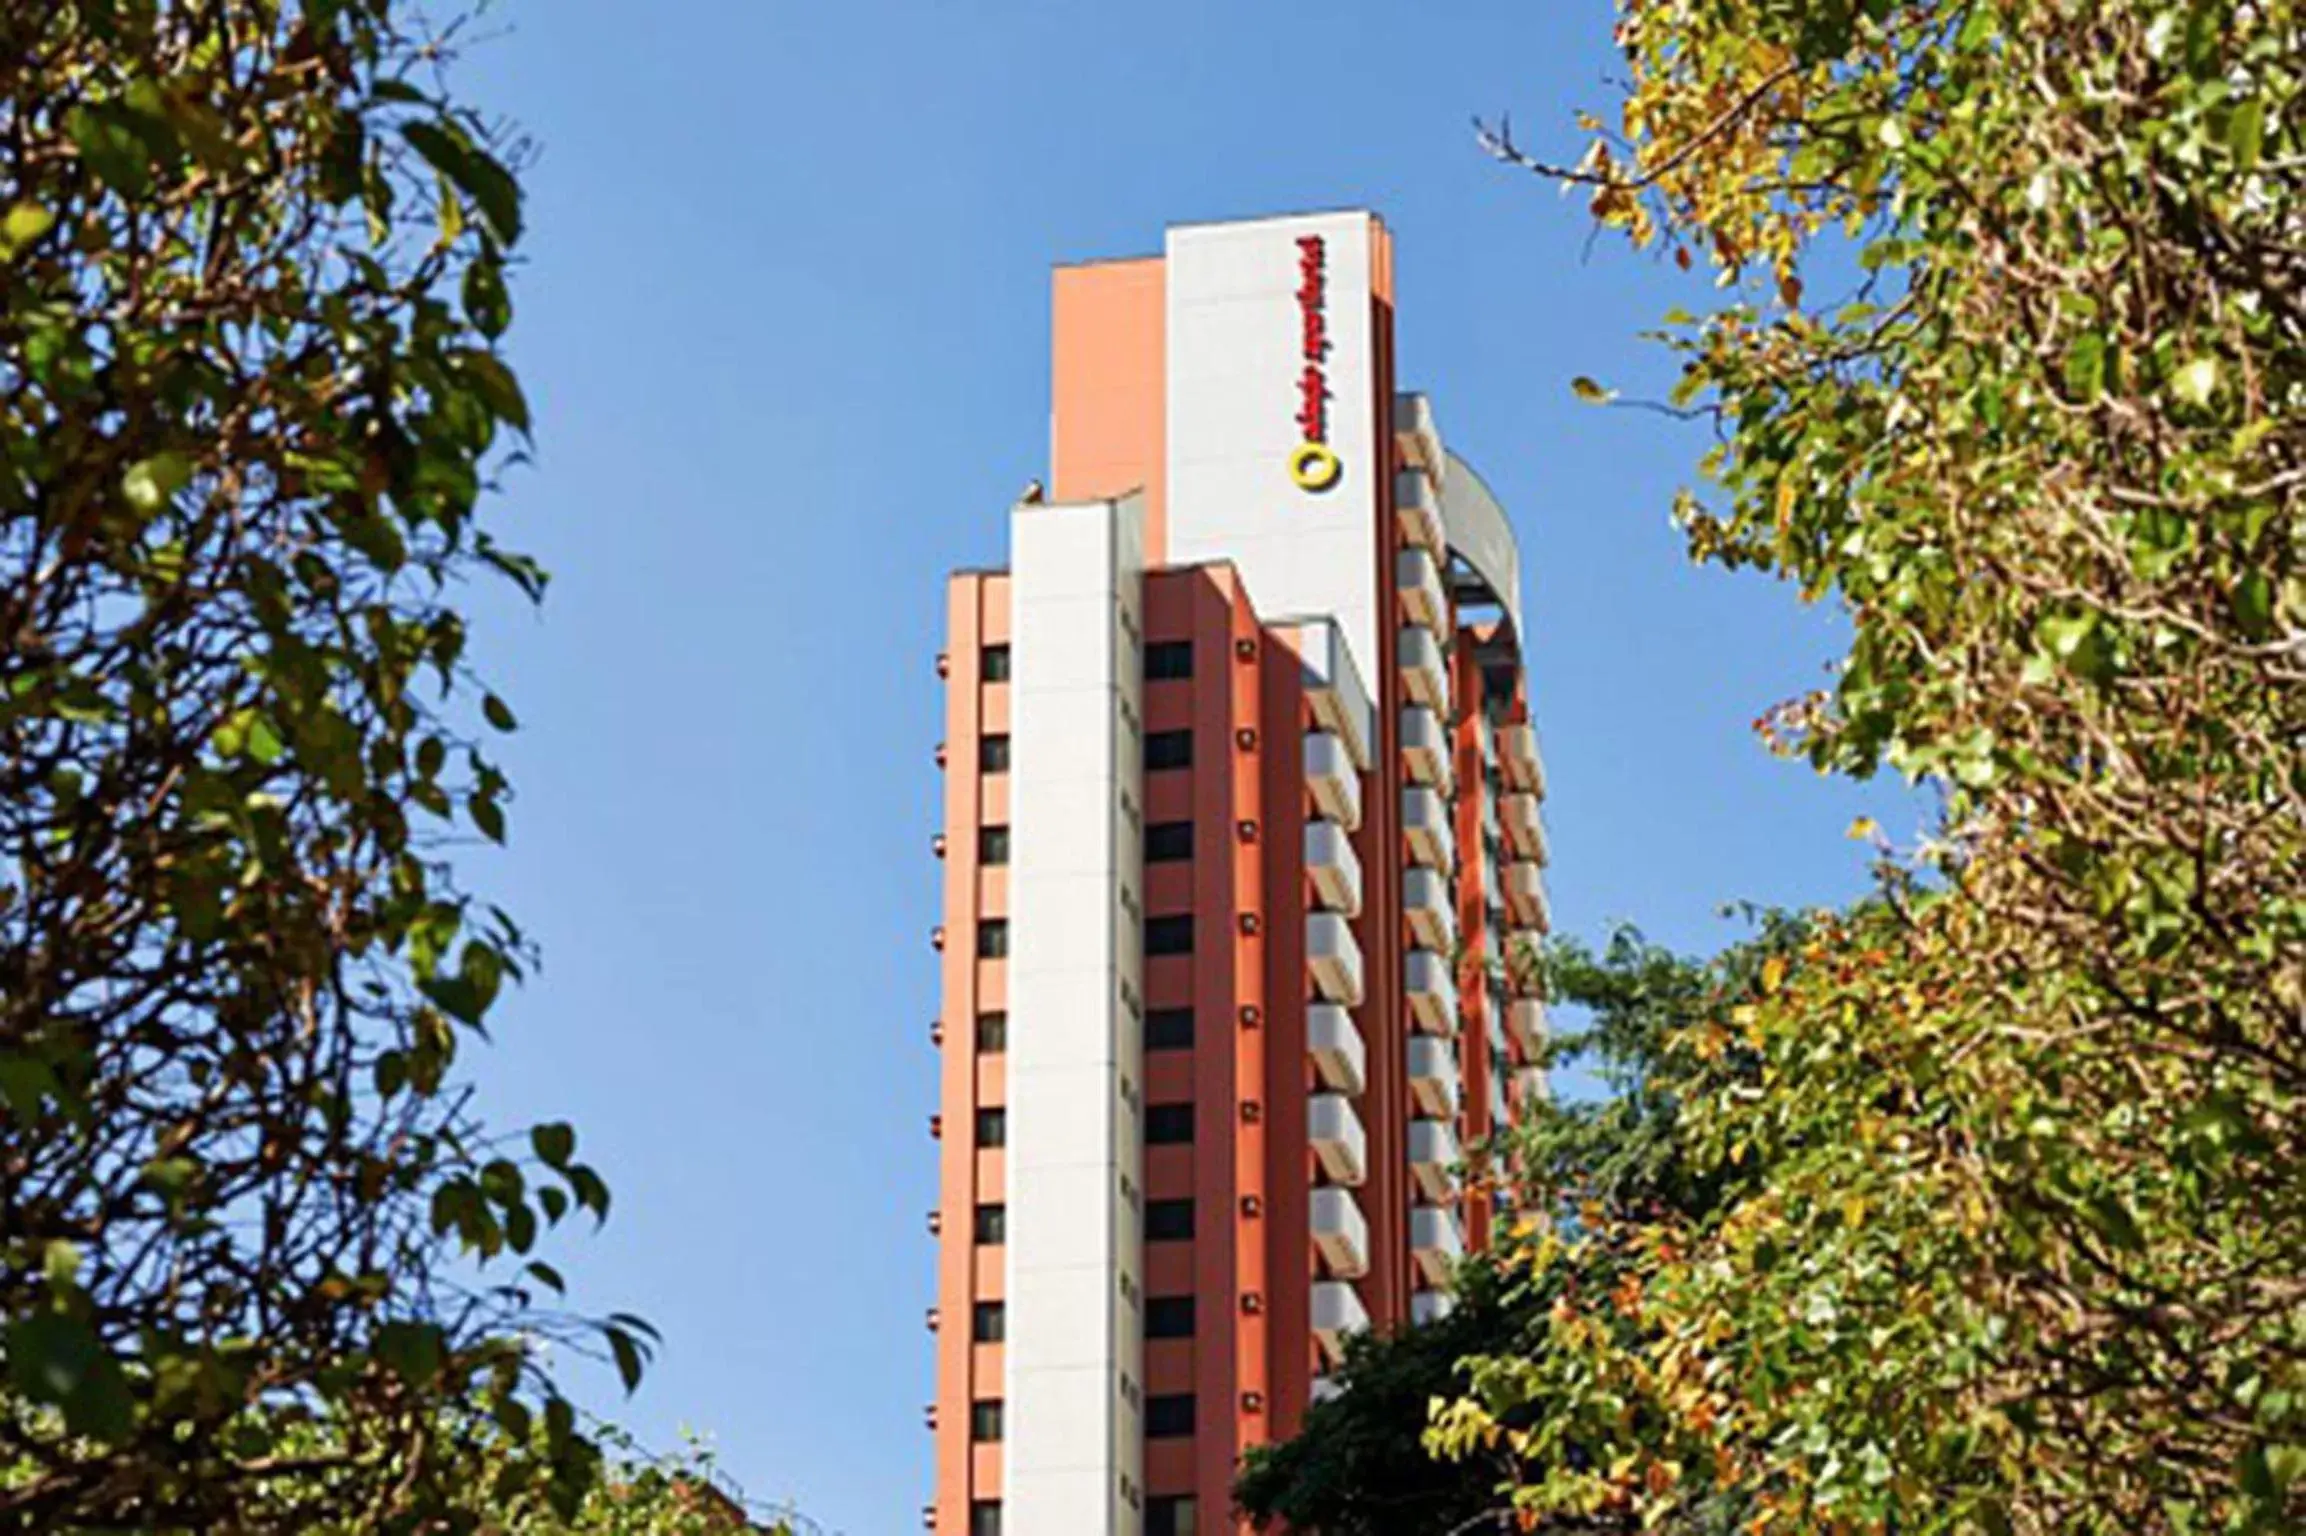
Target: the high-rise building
(1242, 855)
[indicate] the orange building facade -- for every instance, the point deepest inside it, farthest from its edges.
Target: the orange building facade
(1242, 856)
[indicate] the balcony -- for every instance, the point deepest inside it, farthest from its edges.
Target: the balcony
(1415, 432)
(1424, 597)
(1340, 1235)
(1332, 779)
(1531, 1087)
(1430, 1306)
(1333, 868)
(1492, 894)
(1324, 1388)
(1333, 958)
(1433, 1079)
(1334, 1131)
(1425, 749)
(1433, 1157)
(1337, 1316)
(1425, 902)
(1333, 687)
(1425, 828)
(1424, 668)
(1523, 767)
(1333, 1040)
(1417, 510)
(1499, 1110)
(1524, 974)
(1525, 900)
(1490, 829)
(1432, 992)
(1524, 827)
(1435, 1243)
(1525, 1018)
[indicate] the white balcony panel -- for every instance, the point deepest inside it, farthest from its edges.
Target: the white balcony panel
(1492, 894)
(1433, 1079)
(1416, 433)
(1425, 902)
(1335, 1133)
(1332, 779)
(1334, 1042)
(1432, 991)
(1340, 1234)
(1433, 1157)
(1425, 747)
(1486, 739)
(1326, 1388)
(1417, 577)
(1520, 762)
(1524, 827)
(1525, 1018)
(1333, 957)
(1425, 828)
(1333, 867)
(1430, 1306)
(1500, 1112)
(1333, 686)
(1424, 667)
(1417, 511)
(1531, 1087)
(1524, 976)
(1435, 1242)
(1337, 1316)
(1525, 900)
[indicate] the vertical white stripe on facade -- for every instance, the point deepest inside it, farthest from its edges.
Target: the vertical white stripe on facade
(1073, 1350)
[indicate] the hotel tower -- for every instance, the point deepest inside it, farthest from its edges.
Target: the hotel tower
(1242, 865)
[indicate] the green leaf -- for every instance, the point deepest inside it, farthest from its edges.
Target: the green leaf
(474, 171)
(487, 815)
(495, 385)
(499, 713)
(486, 303)
(412, 1351)
(555, 1143)
(2196, 381)
(21, 225)
(108, 139)
(149, 484)
(56, 1358)
(263, 742)
(2254, 604)
(2086, 366)
(2246, 132)
(1590, 392)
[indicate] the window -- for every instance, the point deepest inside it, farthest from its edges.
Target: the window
(985, 1518)
(992, 1033)
(992, 845)
(1166, 1515)
(992, 1225)
(1169, 1317)
(993, 754)
(1169, 1029)
(1168, 659)
(1168, 1221)
(1168, 1124)
(985, 1420)
(992, 1127)
(993, 663)
(993, 938)
(1168, 841)
(989, 1322)
(1168, 1416)
(1169, 749)
(1170, 935)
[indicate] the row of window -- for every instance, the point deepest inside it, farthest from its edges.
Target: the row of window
(1166, 1317)
(1168, 1416)
(1166, 1221)
(1165, 1125)
(1165, 660)
(1172, 935)
(1166, 1029)
(1163, 750)
(1166, 842)
(1170, 1515)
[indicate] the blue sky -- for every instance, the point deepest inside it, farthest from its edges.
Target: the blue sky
(784, 324)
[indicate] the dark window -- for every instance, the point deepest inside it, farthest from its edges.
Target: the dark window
(989, 1323)
(1168, 658)
(1168, 841)
(993, 663)
(1169, 749)
(1169, 935)
(985, 1518)
(993, 938)
(985, 1419)
(993, 757)
(1168, 1221)
(1168, 1416)
(992, 1225)
(1169, 1029)
(1166, 1515)
(1166, 1124)
(1169, 1317)
(992, 845)
(992, 1033)
(992, 1127)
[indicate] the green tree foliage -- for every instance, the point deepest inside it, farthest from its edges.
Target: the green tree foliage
(2024, 1242)
(252, 286)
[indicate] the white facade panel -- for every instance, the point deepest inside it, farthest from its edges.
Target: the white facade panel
(1071, 1434)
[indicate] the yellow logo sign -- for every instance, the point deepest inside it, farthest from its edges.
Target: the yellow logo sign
(1315, 466)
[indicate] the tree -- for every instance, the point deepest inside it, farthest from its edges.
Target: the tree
(253, 265)
(2025, 1247)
